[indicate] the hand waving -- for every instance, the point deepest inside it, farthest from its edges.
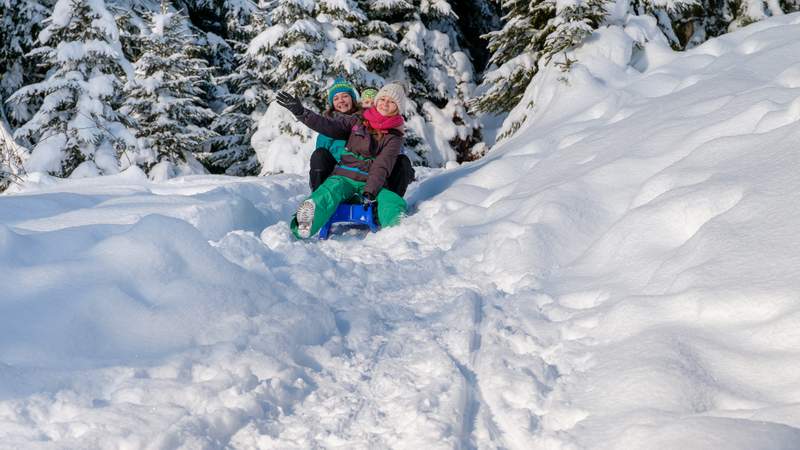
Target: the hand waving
(290, 102)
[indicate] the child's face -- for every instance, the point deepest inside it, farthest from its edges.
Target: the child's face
(342, 102)
(366, 103)
(386, 106)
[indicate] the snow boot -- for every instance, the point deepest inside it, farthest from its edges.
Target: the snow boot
(305, 218)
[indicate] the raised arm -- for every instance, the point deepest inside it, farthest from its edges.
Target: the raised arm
(337, 127)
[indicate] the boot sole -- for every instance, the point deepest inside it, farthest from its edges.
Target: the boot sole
(305, 217)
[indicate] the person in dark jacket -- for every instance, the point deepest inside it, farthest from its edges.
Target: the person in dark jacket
(374, 142)
(342, 100)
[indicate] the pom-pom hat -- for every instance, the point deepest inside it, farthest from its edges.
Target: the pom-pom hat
(369, 93)
(341, 85)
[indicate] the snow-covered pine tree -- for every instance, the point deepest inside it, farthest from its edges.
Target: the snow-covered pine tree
(229, 150)
(219, 27)
(380, 43)
(77, 130)
(516, 49)
(20, 22)
(475, 19)
(571, 26)
(790, 6)
(241, 20)
(224, 18)
(733, 14)
(345, 15)
(439, 74)
(293, 34)
(535, 33)
(288, 53)
(131, 23)
(223, 29)
(166, 99)
(750, 11)
(352, 46)
(12, 155)
(686, 23)
(251, 86)
(309, 43)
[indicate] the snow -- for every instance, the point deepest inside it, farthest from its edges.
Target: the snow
(47, 155)
(622, 273)
(442, 8)
(266, 39)
(161, 22)
(69, 52)
(280, 150)
(306, 27)
(344, 59)
(63, 15)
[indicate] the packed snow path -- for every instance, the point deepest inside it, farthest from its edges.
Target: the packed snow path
(623, 274)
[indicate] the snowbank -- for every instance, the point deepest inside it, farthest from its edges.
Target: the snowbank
(621, 274)
(647, 216)
(282, 144)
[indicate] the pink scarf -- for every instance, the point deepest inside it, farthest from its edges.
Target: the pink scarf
(382, 123)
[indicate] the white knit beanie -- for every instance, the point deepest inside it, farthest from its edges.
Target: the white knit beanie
(397, 93)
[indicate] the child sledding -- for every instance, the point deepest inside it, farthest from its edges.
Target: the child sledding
(373, 143)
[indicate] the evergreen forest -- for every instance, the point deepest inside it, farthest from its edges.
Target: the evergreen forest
(92, 87)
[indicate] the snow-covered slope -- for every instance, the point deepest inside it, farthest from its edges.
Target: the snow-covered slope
(623, 274)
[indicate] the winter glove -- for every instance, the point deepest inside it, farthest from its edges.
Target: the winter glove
(367, 200)
(290, 102)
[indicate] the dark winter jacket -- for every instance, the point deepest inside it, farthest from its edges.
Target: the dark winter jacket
(335, 146)
(369, 155)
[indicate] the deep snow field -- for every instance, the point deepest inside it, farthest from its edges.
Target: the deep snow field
(624, 273)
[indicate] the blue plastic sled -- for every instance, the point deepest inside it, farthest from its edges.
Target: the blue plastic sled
(352, 214)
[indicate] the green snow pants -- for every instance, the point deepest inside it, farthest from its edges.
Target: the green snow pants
(337, 189)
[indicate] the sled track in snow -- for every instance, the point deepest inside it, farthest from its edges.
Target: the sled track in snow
(406, 341)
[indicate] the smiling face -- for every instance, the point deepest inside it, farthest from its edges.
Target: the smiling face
(386, 106)
(342, 102)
